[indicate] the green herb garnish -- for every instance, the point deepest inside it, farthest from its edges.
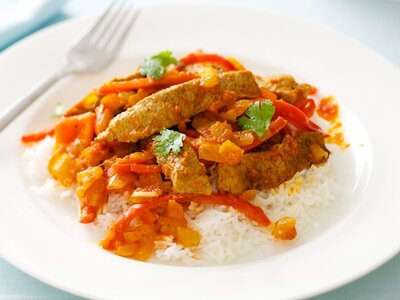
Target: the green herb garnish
(156, 66)
(168, 141)
(258, 117)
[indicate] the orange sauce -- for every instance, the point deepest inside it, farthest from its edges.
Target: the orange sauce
(338, 139)
(328, 109)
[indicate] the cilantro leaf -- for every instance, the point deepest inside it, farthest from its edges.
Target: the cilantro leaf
(156, 66)
(168, 141)
(258, 117)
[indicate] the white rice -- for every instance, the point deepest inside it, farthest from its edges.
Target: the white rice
(307, 193)
(35, 159)
(116, 204)
(226, 235)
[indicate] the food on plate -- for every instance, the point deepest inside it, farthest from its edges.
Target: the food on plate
(268, 169)
(172, 105)
(193, 159)
(328, 109)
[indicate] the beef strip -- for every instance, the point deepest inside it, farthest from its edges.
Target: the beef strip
(174, 104)
(187, 173)
(287, 89)
(268, 169)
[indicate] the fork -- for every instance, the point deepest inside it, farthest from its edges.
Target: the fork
(91, 53)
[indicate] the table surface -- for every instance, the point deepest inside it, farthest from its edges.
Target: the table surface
(375, 23)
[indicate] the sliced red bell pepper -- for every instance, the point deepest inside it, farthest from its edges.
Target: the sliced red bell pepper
(136, 168)
(138, 83)
(308, 107)
(193, 58)
(294, 115)
(36, 136)
(276, 125)
(136, 210)
(40, 135)
(267, 94)
(253, 212)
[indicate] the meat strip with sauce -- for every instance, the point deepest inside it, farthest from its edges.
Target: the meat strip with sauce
(268, 169)
(287, 89)
(172, 105)
(187, 173)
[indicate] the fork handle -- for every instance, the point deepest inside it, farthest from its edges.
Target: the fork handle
(22, 103)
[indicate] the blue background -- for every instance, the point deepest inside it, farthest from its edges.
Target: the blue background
(375, 23)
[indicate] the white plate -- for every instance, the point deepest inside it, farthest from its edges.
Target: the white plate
(361, 230)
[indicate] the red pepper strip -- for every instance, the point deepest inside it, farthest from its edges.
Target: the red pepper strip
(36, 136)
(136, 168)
(139, 83)
(88, 214)
(308, 107)
(40, 135)
(267, 94)
(251, 211)
(136, 210)
(193, 58)
(294, 115)
(276, 125)
(189, 132)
